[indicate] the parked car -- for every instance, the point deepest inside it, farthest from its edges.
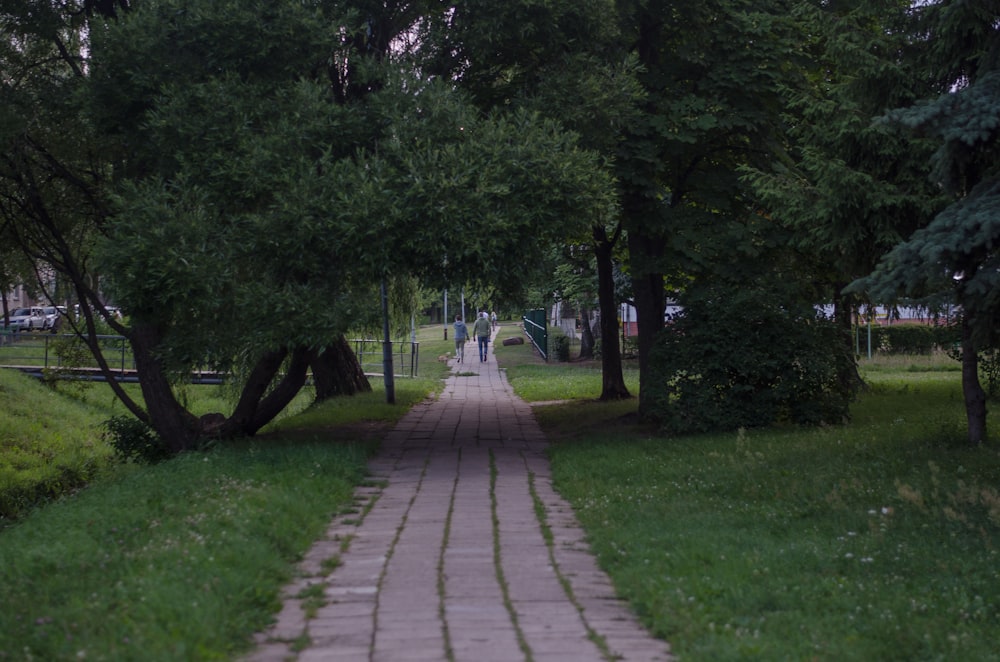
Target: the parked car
(26, 319)
(53, 318)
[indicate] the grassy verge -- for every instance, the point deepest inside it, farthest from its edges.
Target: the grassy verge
(48, 444)
(183, 560)
(875, 540)
(536, 380)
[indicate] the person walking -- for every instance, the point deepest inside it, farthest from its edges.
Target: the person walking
(493, 318)
(482, 331)
(461, 337)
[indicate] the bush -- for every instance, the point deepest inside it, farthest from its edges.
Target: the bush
(913, 338)
(744, 360)
(559, 344)
(134, 441)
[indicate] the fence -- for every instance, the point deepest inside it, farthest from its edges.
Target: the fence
(538, 331)
(65, 354)
(50, 351)
(405, 357)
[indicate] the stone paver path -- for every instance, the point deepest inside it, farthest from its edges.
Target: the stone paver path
(447, 557)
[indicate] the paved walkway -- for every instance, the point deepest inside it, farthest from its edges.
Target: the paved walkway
(446, 558)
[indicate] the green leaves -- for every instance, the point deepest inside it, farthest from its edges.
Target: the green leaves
(259, 208)
(742, 357)
(957, 251)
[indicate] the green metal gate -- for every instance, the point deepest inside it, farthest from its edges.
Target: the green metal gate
(537, 330)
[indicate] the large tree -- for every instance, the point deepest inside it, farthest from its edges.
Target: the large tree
(711, 73)
(847, 188)
(257, 167)
(562, 59)
(956, 254)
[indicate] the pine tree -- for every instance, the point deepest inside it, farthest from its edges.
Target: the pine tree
(957, 253)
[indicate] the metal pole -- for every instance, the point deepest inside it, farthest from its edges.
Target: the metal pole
(390, 384)
(445, 319)
(869, 335)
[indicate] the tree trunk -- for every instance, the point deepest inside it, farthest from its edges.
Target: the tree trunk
(586, 334)
(283, 392)
(336, 371)
(972, 390)
(257, 383)
(612, 382)
(647, 288)
(176, 426)
(843, 310)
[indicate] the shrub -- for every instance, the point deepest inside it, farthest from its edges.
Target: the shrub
(742, 359)
(559, 344)
(134, 441)
(914, 338)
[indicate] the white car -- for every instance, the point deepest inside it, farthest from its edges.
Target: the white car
(26, 319)
(52, 316)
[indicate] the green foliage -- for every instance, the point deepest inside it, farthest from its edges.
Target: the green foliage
(847, 187)
(559, 344)
(989, 366)
(252, 175)
(914, 338)
(134, 441)
(988, 363)
(956, 253)
(742, 358)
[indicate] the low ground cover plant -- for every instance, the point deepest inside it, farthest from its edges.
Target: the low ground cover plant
(874, 540)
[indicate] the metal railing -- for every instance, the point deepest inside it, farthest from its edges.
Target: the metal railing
(47, 353)
(405, 357)
(538, 331)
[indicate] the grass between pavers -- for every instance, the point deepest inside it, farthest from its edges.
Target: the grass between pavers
(877, 540)
(183, 560)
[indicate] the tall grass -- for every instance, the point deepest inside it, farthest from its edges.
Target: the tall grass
(877, 540)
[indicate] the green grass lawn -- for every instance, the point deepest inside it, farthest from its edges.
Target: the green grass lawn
(877, 540)
(123, 558)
